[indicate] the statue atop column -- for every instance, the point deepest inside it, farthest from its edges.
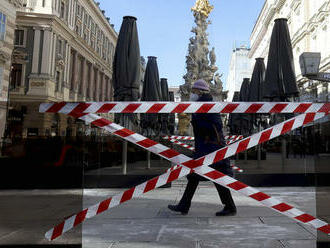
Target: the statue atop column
(200, 61)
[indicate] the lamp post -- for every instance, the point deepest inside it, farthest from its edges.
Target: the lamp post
(310, 67)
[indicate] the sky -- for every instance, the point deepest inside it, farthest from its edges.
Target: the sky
(164, 28)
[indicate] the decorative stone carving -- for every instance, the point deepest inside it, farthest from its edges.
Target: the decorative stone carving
(4, 57)
(16, 3)
(19, 56)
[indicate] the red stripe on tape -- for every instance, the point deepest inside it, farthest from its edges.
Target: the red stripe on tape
(287, 126)
(104, 205)
(265, 136)
(229, 108)
(147, 143)
(302, 108)
(77, 112)
(124, 132)
(131, 108)
(325, 229)
(180, 108)
(243, 145)
(127, 195)
(101, 122)
(237, 185)
(80, 217)
(214, 174)
(106, 108)
(58, 230)
(205, 108)
(169, 153)
(174, 175)
(260, 196)
(151, 184)
(155, 108)
(305, 218)
(194, 163)
(254, 108)
(309, 118)
(325, 108)
(56, 107)
(278, 108)
(220, 155)
(282, 207)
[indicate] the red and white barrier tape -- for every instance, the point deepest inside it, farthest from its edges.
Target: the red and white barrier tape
(198, 166)
(187, 107)
(228, 142)
(230, 137)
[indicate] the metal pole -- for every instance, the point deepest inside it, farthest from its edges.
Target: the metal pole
(259, 148)
(148, 160)
(283, 152)
(124, 157)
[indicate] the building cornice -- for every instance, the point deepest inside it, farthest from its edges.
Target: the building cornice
(16, 3)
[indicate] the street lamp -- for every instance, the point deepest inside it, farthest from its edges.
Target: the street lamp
(310, 67)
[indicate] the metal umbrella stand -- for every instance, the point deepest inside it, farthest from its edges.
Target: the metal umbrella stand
(171, 116)
(126, 74)
(280, 80)
(255, 95)
(150, 123)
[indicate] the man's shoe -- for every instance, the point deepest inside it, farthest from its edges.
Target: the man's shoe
(177, 208)
(227, 212)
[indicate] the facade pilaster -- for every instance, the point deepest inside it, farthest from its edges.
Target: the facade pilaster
(96, 85)
(46, 52)
(36, 50)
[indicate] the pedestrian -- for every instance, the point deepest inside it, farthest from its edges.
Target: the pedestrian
(208, 138)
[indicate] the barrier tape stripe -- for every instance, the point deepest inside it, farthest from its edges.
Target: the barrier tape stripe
(170, 155)
(228, 142)
(186, 107)
(230, 137)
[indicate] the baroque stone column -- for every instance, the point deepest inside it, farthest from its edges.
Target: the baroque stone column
(36, 50)
(74, 71)
(96, 84)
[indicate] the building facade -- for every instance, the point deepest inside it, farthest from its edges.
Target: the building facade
(308, 22)
(239, 68)
(7, 29)
(63, 51)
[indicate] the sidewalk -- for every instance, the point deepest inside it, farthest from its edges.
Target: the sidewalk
(146, 221)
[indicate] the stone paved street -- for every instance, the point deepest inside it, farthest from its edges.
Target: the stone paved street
(146, 221)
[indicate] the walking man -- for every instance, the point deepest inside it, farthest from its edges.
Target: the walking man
(208, 138)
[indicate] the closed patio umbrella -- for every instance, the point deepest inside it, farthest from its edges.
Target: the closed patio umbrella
(127, 67)
(165, 98)
(280, 81)
(150, 123)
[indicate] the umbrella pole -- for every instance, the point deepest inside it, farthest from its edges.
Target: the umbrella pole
(259, 147)
(148, 161)
(124, 157)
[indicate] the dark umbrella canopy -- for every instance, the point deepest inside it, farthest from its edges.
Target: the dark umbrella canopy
(164, 87)
(127, 62)
(280, 81)
(151, 85)
(244, 92)
(245, 119)
(234, 119)
(257, 81)
(172, 116)
(150, 123)
(126, 68)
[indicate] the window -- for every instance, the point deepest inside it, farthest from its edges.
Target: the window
(1, 76)
(58, 74)
(2, 26)
(19, 37)
(62, 10)
(16, 76)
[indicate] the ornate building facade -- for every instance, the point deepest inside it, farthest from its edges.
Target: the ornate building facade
(7, 29)
(308, 23)
(63, 51)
